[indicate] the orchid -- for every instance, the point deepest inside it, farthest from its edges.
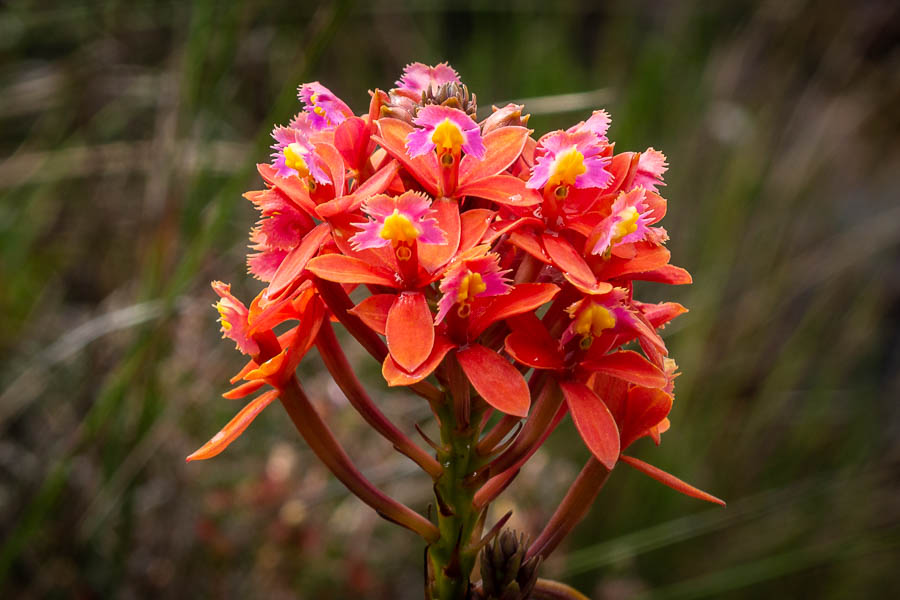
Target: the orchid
(418, 78)
(325, 110)
(492, 275)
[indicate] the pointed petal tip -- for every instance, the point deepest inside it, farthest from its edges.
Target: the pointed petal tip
(670, 480)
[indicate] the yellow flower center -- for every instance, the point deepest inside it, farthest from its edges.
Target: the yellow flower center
(319, 111)
(592, 320)
(470, 286)
(627, 225)
(569, 165)
(398, 228)
(293, 159)
(222, 317)
(447, 137)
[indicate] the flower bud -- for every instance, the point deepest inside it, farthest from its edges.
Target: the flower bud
(503, 574)
(511, 114)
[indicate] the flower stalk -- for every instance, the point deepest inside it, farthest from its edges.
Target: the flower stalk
(451, 558)
(323, 443)
(340, 369)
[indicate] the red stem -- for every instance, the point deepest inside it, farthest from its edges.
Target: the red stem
(572, 509)
(339, 303)
(496, 484)
(326, 447)
(460, 391)
(490, 441)
(336, 363)
(548, 402)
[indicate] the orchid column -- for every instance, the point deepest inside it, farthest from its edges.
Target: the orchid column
(492, 275)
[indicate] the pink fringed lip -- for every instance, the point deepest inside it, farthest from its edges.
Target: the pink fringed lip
(420, 141)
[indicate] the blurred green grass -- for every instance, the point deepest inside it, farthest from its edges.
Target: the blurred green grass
(129, 131)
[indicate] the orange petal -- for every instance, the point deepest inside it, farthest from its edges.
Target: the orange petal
(373, 311)
(567, 258)
(432, 256)
(335, 163)
(243, 390)
(670, 480)
(244, 370)
(310, 322)
(630, 366)
(669, 274)
(501, 227)
(530, 243)
(594, 422)
(473, 225)
(502, 147)
(235, 427)
(660, 314)
(268, 368)
(646, 408)
(351, 139)
(522, 298)
(346, 269)
(394, 375)
(291, 187)
(596, 288)
(657, 206)
(376, 184)
(502, 189)
(535, 348)
(647, 258)
(410, 330)
(496, 380)
(392, 137)
(619, 166)
(297, 259)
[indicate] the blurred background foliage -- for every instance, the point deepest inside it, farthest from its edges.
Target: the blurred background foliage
(129, 131)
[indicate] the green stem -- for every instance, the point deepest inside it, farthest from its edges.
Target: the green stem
(452, 557)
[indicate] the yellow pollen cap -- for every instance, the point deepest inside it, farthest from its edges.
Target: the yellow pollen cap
(593, 320)
(627, 225)
(222, 318)
(569, 165)
(470, 286)
(293, 159)
(447, 136)
(398, 228)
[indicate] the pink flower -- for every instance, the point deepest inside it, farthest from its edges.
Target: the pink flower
(627, 222)
(233, 317)
(418, 77)
(468, 279)
(597, 124)
(571, 158)
(398, 220)
(651, 166)
(295, 154)
(445, 130)
(594, 315)
(280, 230)
(325, 109)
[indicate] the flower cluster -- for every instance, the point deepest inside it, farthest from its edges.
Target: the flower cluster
(490, 272)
